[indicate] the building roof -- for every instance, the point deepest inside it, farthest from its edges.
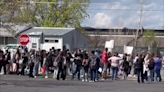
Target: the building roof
(50, 31)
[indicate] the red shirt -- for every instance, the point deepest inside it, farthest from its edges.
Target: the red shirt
(104, 57)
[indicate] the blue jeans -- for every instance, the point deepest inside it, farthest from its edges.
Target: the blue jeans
(114, 72)
(36, 67)
(93, 74)
(78, 68)
(140, 76)
(158, 74)
(85, 73)
(145, 75)
(151, 76)
(55, 73)
(96, 74)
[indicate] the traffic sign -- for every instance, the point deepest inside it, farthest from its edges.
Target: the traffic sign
(23, 39)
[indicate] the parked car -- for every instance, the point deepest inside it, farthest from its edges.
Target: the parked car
(11, 47)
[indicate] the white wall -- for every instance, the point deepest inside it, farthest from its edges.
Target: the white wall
(56, 42)
(33, 40)
(52, 43)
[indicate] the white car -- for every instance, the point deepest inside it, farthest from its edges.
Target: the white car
(10, 47)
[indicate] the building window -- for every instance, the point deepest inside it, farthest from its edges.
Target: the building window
(46, 40)
(56, 41)
(34, 45)
(51, 41)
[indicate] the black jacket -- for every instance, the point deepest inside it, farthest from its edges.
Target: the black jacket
(139, 63)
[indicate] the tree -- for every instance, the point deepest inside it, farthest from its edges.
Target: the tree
(8, 10)
(46, 13)
(149, 37)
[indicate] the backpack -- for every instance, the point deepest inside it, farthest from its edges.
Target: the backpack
(93, 62)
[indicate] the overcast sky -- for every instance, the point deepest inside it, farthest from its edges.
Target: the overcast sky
(125, 13)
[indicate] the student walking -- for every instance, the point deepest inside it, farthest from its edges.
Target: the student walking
(60, 60)
(139, 68)
(151, 66)
(157, 68)
(85, 65)
(145, 66)
(78, 62)
(114, 65)
(125, 66)
(93, 66)
(104, 59)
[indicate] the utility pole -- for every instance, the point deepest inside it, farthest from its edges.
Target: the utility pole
(141, 15)
(139, 24)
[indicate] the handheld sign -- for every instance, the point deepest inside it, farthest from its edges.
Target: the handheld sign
(109, 45)
(128, 49)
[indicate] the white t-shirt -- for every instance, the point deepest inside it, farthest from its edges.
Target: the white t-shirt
(114, 61)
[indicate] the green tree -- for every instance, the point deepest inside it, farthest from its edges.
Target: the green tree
(46, 13)
(149, 37)
(8, 9)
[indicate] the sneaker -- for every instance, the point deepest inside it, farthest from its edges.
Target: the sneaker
(102, 79)
(35, 77)
(83, 80)
(46, 77)
(91, 81)
(86, 80)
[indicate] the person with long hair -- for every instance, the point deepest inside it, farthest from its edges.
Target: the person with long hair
(125, 66)
(85, 65)
(17, 61)
(36, 64)
(104, 59)
(60, 60)
(31, 63)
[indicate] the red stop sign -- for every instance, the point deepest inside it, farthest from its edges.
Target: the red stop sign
(24, 39)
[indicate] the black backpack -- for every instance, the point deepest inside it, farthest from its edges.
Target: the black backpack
(93, 61)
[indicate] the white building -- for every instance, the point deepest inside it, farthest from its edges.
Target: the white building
(55, 37)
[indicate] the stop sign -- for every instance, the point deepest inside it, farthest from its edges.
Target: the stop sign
(23, 39)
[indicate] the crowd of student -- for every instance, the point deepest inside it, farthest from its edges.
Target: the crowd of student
(81, 64)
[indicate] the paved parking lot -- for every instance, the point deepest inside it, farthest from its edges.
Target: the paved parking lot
(13, 83)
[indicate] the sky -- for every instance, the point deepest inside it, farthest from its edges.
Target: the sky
(125, 13)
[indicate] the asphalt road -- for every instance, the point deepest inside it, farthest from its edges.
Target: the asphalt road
(13, 83)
